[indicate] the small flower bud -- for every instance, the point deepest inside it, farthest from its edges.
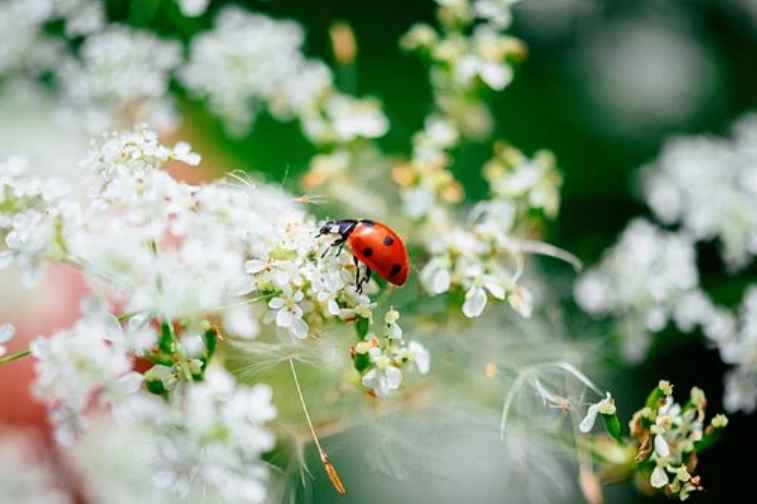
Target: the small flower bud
(665, 387)
(719, 421)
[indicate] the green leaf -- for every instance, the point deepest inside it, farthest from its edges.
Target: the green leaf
(654, 398)
(361, 326)
(211, 343)
(167, 340)
(362, 361)
(613, 427)
(155, 387)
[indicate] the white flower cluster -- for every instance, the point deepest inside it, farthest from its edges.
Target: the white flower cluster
(31, 210)
(82, 17)
(75, 364)
(25, 48)
(483, 258)
(669, 433)
(647, 278)
(709, 186)
(310, 284)
(172, 254)
(204, 444)
(249, 61)
(462, 62)
(121, 74)
(381, 360)
(739, 348)
(178, 259)
(425, 182)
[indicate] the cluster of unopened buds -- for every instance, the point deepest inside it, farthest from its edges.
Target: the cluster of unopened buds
(665, 441)
(670, 436)
(380, 360)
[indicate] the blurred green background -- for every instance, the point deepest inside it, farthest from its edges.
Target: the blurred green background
(604, 84)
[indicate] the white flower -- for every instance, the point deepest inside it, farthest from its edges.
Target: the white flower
(640, 280)
(420, 356)
(204, 444)
(475, 302)
(661, 446)
(121, 68)
(709, 185)
(383, 380)
(606, 406)
(354, 118)
(193, 8)
(499, 12)
(248, 60)
(394, 331)
(7, 331)
(435, 276)
(74, 364)
(659, 477)
(287, 312)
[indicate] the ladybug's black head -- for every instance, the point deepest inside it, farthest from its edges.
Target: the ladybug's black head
(340, 227)
(329, 227)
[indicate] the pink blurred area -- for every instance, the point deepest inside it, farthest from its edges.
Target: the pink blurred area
(48, 307)
(51, 305)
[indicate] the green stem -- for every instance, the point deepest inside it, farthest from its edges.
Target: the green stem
(15, 356)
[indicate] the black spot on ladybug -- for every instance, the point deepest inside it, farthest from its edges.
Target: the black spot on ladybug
(395, 270)
(368, 252)
(388, 241)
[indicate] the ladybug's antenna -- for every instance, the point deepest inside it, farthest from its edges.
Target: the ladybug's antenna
(331, 472)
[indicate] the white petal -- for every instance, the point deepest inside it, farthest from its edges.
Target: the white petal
(276, 303)
(334, 307)
(370, 379)
(659, 477)
(129, 383)
(496, 75)
(661, 446)
(440, 282)
(591, 416)
(393, 377)
(300, 328)
(420, 356)
(475, 302)
(113, 330)
(254, 266)
(495, 289)
(395, 332)
(284, 318)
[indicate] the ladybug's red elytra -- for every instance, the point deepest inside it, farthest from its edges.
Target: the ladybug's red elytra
(375, 245)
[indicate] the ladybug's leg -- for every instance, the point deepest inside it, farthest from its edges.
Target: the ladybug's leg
(366, 278)
(357, 274)
(339, 242)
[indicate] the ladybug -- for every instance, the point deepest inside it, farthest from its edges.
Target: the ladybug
(374, 244)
